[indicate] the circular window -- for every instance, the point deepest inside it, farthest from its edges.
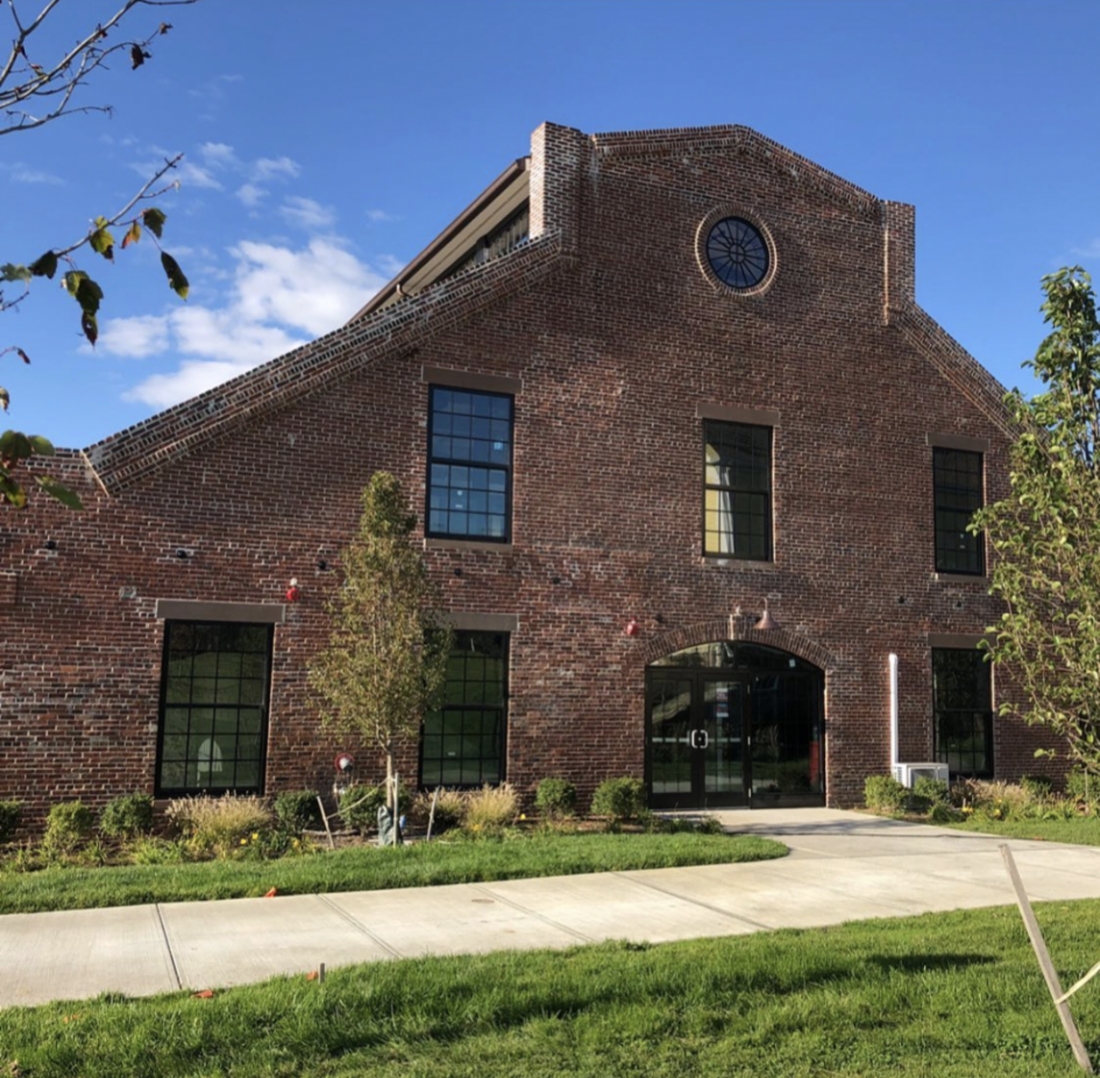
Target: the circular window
(737, 253)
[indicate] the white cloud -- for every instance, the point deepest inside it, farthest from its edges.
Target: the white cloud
(251, 195)
(22, 174)
(307, 213)
(280, 298)
(219, 155)
(390, 265)
(265, 167)
(379, 216)
(192, 175)
(1090, 250)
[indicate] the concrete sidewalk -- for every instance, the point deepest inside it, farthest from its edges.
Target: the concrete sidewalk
(843, 866)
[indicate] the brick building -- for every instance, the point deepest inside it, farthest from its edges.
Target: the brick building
(646, 388)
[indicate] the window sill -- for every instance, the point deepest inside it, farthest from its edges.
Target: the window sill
(962, 578)
(434, 543)
(711, 561)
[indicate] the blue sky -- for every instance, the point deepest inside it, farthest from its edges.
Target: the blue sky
(328, 141)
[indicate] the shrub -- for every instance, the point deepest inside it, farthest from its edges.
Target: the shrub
(927, 793)
(1037, 787)
(490, 809)
(942, 812)
(619, 799)
(295, 810)
(146, 850)
(127, 816)
(450, 810)
(11, 812)
(363, 817)
(218, 824)
(883, 793)
(556, 798)
(1080, 785)
(68, 826)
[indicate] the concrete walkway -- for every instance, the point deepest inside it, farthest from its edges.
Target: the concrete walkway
(843, 866)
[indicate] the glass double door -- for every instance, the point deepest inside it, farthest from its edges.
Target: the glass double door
(751, 738)
(697, 741)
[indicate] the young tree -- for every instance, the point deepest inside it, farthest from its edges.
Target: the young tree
(1046, 533)
(386, 660)
(36, 90)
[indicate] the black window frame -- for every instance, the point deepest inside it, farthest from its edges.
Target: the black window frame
(766, 492)
(431, 530)
(955, 713)
(166, 704)
(496, 771)
(957, 551)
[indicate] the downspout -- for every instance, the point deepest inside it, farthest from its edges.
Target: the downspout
(893, 664)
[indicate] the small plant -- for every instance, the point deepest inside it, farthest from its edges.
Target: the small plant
(296, 810)
(127, 816)
(1037, 787)
(146, 850)
(217, 825)
(942, 812)
(556, 798)
(883, 793)
(359, 806)
(1082, 786)
(68, 826)
(11, 812)
(490, 809)
(450, 810)
(619, 799)
(927, 793)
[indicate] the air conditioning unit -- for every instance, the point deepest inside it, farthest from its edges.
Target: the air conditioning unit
(907, 774)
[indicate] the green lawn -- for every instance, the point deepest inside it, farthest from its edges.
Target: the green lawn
(944, 996)
(366, 868)
(1083, 831)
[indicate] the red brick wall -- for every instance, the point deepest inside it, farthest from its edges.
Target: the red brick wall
(618, 338)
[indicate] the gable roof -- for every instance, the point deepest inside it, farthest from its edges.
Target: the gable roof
(395, 321)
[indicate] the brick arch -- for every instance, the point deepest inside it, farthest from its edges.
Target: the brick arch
(739, 627)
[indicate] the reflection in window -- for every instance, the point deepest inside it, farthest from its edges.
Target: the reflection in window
(957, 476)
(213, 713)
(463, 741)
(737, 478)
(469, 474)
(963, 711)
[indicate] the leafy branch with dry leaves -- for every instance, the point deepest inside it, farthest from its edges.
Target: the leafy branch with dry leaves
(33, 94)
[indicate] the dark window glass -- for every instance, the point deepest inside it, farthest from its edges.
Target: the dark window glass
(463, 741)
(213, 710)
(470, 465)
(958, 480)
(963, 711)
(737, 477)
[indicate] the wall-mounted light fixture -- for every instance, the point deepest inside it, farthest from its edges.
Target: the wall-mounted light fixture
(182, 553)
(50, 544)
(322, 565)
(766, 622)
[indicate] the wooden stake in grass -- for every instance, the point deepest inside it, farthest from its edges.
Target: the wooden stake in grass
(324, 820)
(1045, 964)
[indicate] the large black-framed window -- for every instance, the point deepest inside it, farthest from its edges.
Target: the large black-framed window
(737, 469)
(962, 711)
(462, 743)
(469, 465)
(213, 708)
(957, 476)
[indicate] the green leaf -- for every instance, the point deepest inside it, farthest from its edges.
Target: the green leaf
(9, 272)
(176, 280)
(90, 326)
(15, 445)
(68, 498)
(11, 492)
(46, 266)
(154, 220)
(103, 243)
(42, 446)
(84, 290)
(133, 234)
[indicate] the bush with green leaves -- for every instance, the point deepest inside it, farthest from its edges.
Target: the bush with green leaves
(297, 810)
(69, 825)
(127, 816)
(619, 799)
(883, 793)
(219, 825)
(927, 793)
(1038, 788)
(11, 812)
(556, 798)
(1081, 786)
(359, 805)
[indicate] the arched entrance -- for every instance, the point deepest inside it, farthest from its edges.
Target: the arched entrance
(734, 723)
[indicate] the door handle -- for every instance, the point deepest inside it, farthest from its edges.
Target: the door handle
(700, 739)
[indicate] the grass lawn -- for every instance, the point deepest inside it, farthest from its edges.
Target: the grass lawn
(1083, 831)
(954, 995)
(366, 868)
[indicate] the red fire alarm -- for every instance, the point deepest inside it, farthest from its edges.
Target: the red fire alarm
(292, 592)
(631, 627)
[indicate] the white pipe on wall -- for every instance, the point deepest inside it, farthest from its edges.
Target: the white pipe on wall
(893, 664)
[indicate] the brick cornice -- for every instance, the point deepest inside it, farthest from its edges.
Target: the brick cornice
(135, 453)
